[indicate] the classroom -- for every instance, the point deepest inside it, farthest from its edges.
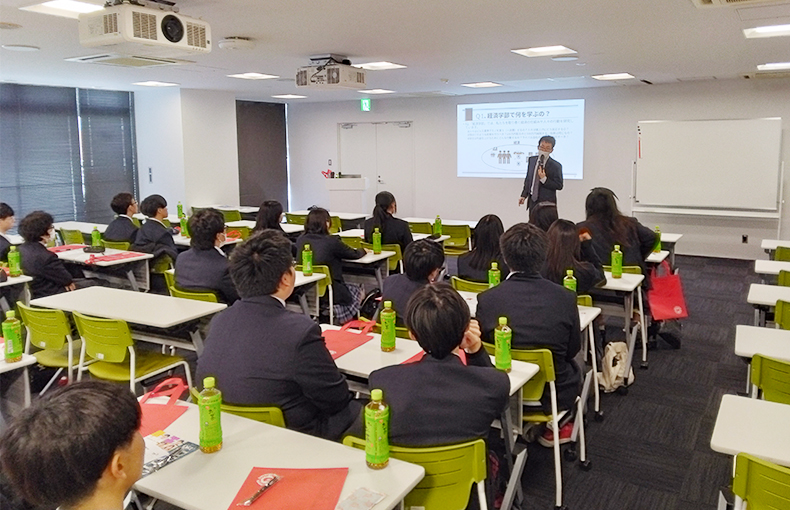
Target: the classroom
(690, 139)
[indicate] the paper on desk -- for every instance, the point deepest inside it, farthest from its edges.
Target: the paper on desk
(361, 499)
(161, 444)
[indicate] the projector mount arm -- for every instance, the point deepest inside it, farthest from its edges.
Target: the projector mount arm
(163, 4)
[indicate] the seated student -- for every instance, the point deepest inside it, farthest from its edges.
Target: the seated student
(264, 355)
(569, 249)
(393, 230)
(438, 400)
(49, 273)
(122, 228)
(475, 264)
(543, 215)
(77, 447)
(541, 313)
(423, 262)
(270, 215)
(329, 250)
(205, 266)
(608, 226)
(154, 237)
(6, 224)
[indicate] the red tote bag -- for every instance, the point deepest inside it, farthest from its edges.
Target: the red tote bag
(666, 295)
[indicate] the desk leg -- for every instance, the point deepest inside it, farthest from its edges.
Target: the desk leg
(197, 339)
(596, 391)
(379, 277)
(26, 384)
(132, 280)
(303, 303)
(515, 462)
(4, 306)
(26, 294)
(630, 335)
(642, 326)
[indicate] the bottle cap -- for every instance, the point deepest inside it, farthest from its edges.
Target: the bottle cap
(616, 246)
(208, 382)
(376, 229)
(13, 248)
(376, 394)
(494, 265)
(10, 314)
(569, 272)
(306, 246)
(503, 321)
(387, 304)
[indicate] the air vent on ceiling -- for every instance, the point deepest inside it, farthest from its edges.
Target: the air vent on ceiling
(723, 3)
(144, 25)
(112, 59)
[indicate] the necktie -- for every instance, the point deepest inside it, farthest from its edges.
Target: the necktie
(535, 180)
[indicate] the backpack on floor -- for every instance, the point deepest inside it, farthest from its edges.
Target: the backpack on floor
(612, 374)
(370, 304)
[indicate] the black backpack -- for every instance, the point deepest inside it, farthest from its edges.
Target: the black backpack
(370, 304)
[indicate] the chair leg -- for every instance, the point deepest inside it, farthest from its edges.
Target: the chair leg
(596, 390)
(515, 480)
(481, 495)
(51, 381)
(556, 429)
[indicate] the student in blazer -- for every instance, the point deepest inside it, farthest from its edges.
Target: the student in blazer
(541, 313)
(264, 355)
(6, 224)
(49, 273)
(153, 236)
(122, 228)
(205, 266)
(570, 249)
(393, 230)
(474, 265)
(423, 262)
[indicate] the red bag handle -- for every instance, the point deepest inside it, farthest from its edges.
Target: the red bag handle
(663, 265)
(364, 327)
(173, 387)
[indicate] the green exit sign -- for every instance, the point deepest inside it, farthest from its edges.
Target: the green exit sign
(364, 104)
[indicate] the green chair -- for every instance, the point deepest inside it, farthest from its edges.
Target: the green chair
(323, 285)
(584, 300)
(71, 236)
(450, 472)
(162, 264)
(460, 240)
(116, 245)
(784, 278)
(400, 331)
(467, 286)
(395, 262)
(295, 219)
(270, 414)
(772, 378)
(782, 314)
(170, 279)
(50, 331)
(231, 215)
(782, 253)
(109, 342)
(196, 209)
(137, 223)
(759, 484)
(336, 225)
(353, 242)
(626, 269)
(241, 232)
(421, 227)
(166, 223)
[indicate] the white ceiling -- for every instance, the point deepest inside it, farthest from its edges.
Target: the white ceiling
(443, 42)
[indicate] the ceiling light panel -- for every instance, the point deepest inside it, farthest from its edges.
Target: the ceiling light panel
(379, 66)
(767, 31)
(253, 76)
(613, 76)
(289, 96)
(377, 91)
(64, 8)
(545, 51)
(775, 66)
(155, 84)
(481, 85)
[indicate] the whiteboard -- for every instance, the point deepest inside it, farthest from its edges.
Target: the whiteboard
(709, 164)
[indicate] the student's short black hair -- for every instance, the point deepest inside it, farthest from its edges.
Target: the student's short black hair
(422, 258)
(549, 139)
(151, 204)
(121, 202)
(269, 215)
(437, 316)
(258, 264)
(55, 451)
(5, 211)
(543, 214)
(204, 226)
(524, 247)
(35, 225)
(316, 221)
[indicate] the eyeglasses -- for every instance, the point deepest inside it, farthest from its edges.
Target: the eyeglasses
(546, 148)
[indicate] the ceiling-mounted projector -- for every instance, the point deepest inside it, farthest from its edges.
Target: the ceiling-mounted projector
(137, 30)
(330, 72)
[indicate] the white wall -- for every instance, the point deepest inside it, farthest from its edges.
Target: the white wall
(610, 148)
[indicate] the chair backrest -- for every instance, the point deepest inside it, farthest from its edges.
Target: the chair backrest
(772, 376)
(162, 264)
(533, 390)
(323, 283)
(400, 331)
(782, 253)
(394, 261)
(71, 236)
(468, 286)
(784, 278)
(762, 484)
(450, 472)
(231, 215)
(116, 245)
(105, 339)
(47, 328)
(166, 222)
(272, 415)
(336, 225)
(421, 227)
(295, 219)
(241, 232)
(626, 269)
(782, 314)
(137, 223)
(354, 242)
(584, 300)
(460, 236)
(170, 279)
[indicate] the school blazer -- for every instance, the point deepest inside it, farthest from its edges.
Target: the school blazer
(121, 229)
(206, 270)
(393, 231)
(154, 238)
(5, 245)
(49, 274)
(547, 191)
(399, 288)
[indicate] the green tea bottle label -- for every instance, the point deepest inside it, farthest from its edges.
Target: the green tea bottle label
(657, 246)
(307, 260)
(95, 237)
(617, 262)
(387, 316)
(569, 282)
(502, 338)
(210, 403)
(376, 241)
(437, 226)
(377, 425)
(12, 332)
(14, 262)
(184, 226)
(180, 210)
(494, 275)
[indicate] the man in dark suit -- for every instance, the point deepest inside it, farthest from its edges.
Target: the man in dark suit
(423, 263)
(438, 400)
(205, 266)
(544, 175)
(264, 355)
(154, 237)
(6, 224)
(122, 228)
(541, 313)
(49, 274)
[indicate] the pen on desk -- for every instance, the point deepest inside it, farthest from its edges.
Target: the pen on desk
(266, 486)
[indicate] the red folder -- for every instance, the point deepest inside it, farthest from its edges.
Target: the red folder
(297, 489)
(160, 416)
(342, 341)
(66, 247)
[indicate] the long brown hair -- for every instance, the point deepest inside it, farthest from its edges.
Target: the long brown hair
(486, 250)
(601, 209)
(564, 251)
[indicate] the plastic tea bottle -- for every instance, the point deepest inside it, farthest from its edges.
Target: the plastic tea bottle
(569, 282)
(494, 275)
(437, 226)
(617, 262)
(377, 431)
(387, 327)
(210, 402)
(95, 237)
(657, 246)
(12, 331)
(307, 260)
(14, 262)
(502, 337)
(184, 226)
(376, 241)
(180, 210)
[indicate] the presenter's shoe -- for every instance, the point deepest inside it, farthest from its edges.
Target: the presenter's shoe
(547, 438)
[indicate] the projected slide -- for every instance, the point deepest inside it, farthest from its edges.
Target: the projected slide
(497, 139)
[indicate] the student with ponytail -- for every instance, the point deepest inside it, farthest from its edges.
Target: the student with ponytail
(393, 230)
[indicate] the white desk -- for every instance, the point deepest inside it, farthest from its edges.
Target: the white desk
(657, 258)
(185, 241)
(240, 223)
(243, 209)
(137, 270)
(248, 444)
(471, 224)
(360, 232)
(172, 218)
(344, 216)
(668, 241)
(137, 308)
(770, 267)
(84, 227)
(378, 261)
(15, 239)
(26, 361)
(751, 340)
(763, 298)
(288, 228)
(15, 280)
(770, 245)
(756, 427)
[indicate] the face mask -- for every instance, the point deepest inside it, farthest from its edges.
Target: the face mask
(544, 154)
